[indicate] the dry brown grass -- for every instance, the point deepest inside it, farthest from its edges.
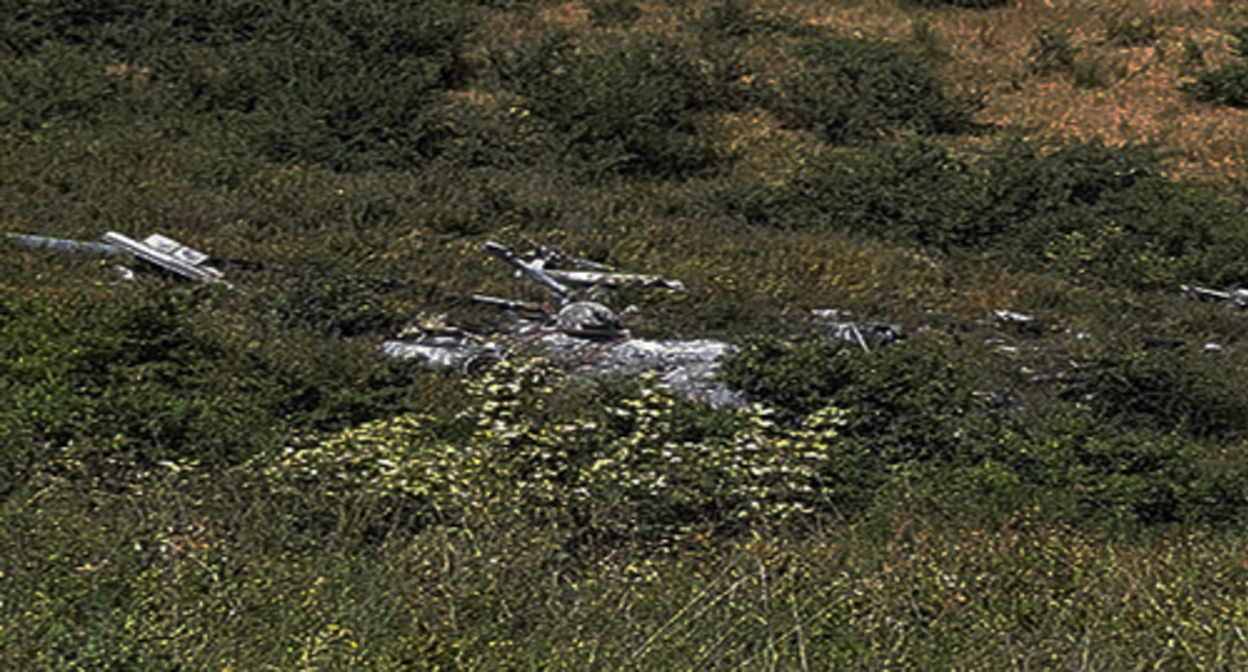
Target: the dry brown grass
(1137, 99)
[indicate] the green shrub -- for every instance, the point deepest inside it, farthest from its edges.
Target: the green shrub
(344, 84)
(1228, 84)
(497, 133)
(130, 370)
(316, 384)
(1121, 450)
(636, 463)
(1086, 209)
(629, 112)
(1119, 475)
(334, 303)
(852, 91)
(1192, 59)
(797, 380)
(151, 372)
(734, 19)
(904, 402)
(1132, 29)
(966, 4)
(1109, 213)
(347, 85)
(58, 84)
(908, 402)
(610, 13)
(1052, 53)
(913, 191)
(29, 26)
(1193, 392)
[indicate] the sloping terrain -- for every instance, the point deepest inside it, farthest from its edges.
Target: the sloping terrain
(1048, 471)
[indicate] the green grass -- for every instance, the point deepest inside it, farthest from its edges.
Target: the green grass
(238, 580)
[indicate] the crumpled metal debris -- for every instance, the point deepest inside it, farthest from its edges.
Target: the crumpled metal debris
(63, 244)
(170, 255)
(441, 347)
(1012, 317)
(865, 335)
(465, 356)
(585, 336)
(1237, 296)
(160, 251)
(689, 368)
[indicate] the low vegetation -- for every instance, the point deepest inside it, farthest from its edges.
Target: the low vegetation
(199, 477)
(1227, 84)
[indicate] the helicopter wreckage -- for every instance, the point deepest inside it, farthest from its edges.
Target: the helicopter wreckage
(588, 338)
(574, 328)
(583, 334)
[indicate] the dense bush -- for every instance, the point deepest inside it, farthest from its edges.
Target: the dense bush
(1193, 392)
(1051, 53)
(61, 84)
(346, 85)
(912, 191)
(734, 19)
(1085, 209)
(919, 191)
(626, 112)
(1122, 450)
(967, 4)
(334, 303)
(28, 26)
(610, 13)
(1116, 475)
(152, 373)
(1229, 83)
(903, 402)
(640, 464)
(851, 91)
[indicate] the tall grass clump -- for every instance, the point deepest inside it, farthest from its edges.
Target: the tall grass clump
(1085, 210)
(964, 4)
(625, 462)
(854, 91)
(613, 13)
(153, 374)
(1121, 445)
(345, 85)
(1228, 84)
(623, 112)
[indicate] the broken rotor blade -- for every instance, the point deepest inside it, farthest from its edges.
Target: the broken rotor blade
(169, 255)
(64, 244)
(613, 280)
(1238, 296)
(523, 307)
(530, 271)
(549, 253)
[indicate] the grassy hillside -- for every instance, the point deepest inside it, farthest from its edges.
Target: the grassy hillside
(196, 478)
